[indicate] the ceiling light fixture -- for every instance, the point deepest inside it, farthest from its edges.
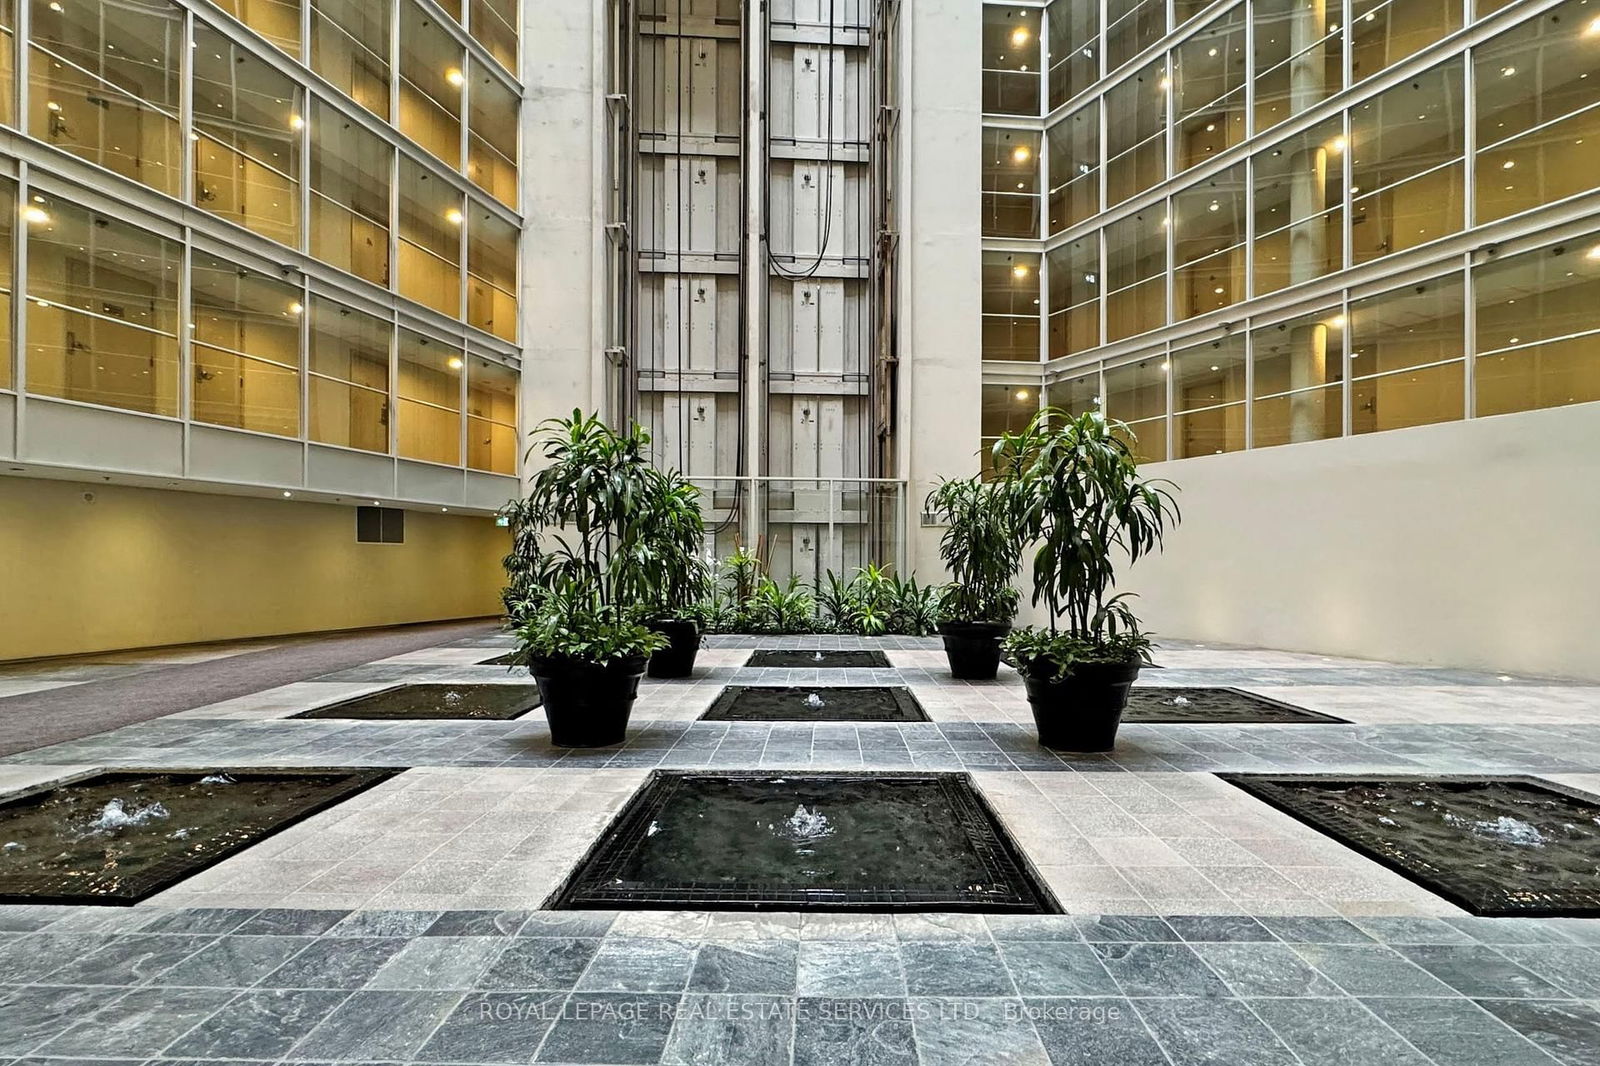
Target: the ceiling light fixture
(455, 77)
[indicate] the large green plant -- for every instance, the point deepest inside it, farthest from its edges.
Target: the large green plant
(1081, 500)
(980, 548)
(591, 540)
(673, 577)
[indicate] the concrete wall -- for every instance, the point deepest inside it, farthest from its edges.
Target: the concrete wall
(143, 567)
(941, 282)
(1466, 544)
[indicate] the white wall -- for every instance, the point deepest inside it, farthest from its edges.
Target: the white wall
(941, 282)
(1472, 544)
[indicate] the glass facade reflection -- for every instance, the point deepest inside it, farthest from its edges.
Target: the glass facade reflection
(350, 276)
(1261, 218)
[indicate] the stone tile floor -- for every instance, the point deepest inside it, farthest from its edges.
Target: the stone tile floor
(1203, 927)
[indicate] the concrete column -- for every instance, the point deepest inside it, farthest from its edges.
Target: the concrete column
(1308, 198)
(756, 273)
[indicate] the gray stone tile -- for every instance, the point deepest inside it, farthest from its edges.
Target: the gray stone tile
(478, 923)
(30, 1016)
(848, 970)
(1573, 969)
(1335, 1032)
(375, 1026)
(639, 964)
(1315, 930)
(439, 963)
(139, 1023)
(1413, 930)
(198, 920)
(1159, 970)
(1124, 929)
(540, 963)
(335, 962)
(1265, 970)
(1054, 968)
(234, 961)
(1479, 971)
(1093, 1032)
(1452, 1031)
(262, 1024)
(759, 967)
(494, 1027)
(1568, 1031)
(1194, 1031)
(128, 960)
(610, 1027)
(1218, 928)
(736, 1030)
(860, 1032)
(568, 924)
(1510, 930)
(1371, 970)
(954, 968)
(963, 1032)
(284, 922)
(376, 923)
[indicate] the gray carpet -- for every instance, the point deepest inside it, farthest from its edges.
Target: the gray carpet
(38, 719)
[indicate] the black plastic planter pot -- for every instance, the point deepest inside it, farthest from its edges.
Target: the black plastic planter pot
(588, 704)
(677, 658)
(973, 648)
(1081, 712)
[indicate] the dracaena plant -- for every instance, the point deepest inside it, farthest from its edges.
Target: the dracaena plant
(672, 576)
(980, 548)
(589, 542)
(1082, 502)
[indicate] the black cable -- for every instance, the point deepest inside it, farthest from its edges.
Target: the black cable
(825, 222)
(685, 312)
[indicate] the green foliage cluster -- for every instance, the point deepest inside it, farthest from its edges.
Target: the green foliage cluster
(981, 547)
(872, 602)
(1078, 496)
(602, 544)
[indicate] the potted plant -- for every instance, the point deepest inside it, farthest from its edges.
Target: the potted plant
(673, 578)
(584, 541)
(1081, 500)
(982, 551)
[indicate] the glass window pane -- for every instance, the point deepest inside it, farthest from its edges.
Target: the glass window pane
(1074, 54)
(492, 266)
(1010, 183)
(1011, 306)
(1208, 383)
(1136, 262)
(1406, 175)
(8, 62)
(102, 309)
(494, 25)
(430, 399)
(1136, 145)
(246, 345)
(491, 416)
(350, 178)
(8, 216)
(103, 84)
(1539, 111)
(1076, 396)
(1075, 296)
(247, 121)
(1131, 27)
(431, 78)
(349, 362)
(276, 20)
(1538, 329)
(1299, 208)
(1007, 409)
(1299, 365)
(1209, 243)
(1394, 336)
(1136, 393)
(492, 138)
(1299, 57)
(1010, 60)
(1075, 168)
(1208, 93)
(1383, 32)
(350, 47)
(430, 239)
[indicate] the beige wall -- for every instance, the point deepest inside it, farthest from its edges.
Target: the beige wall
(144, 567)
(1467, 544)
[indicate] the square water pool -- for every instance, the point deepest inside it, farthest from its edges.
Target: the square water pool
(120, 837)
(837, 842)
(815, 703)
(1495, 846)
(484, 702)
(813, 659)
(1217, 706)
